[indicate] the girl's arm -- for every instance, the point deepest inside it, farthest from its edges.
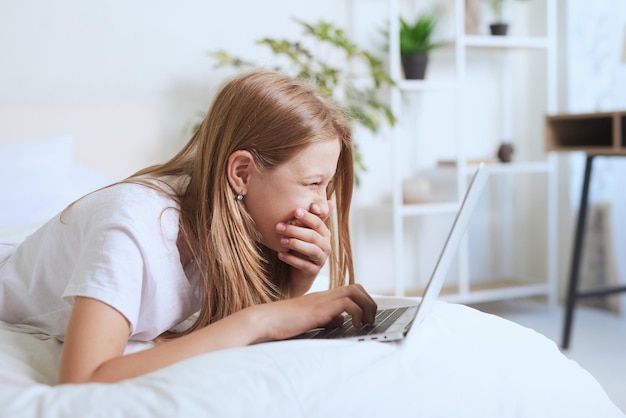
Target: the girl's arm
(97, 334)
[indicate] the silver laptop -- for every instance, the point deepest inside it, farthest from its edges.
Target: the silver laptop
(393, 323)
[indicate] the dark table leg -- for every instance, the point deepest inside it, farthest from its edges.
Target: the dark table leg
(572, 291)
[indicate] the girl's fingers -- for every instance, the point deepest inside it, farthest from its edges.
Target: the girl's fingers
(359, 295)
(300, 262)
(307, 240)
(314, 253)
(354, 301)
(337, 321)
(320, 309)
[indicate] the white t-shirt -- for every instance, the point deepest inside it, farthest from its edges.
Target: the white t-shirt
(116, 245)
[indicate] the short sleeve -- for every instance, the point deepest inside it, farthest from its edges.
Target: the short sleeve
(110, 268)
(128, 258)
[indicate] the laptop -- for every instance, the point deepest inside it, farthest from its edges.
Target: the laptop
(393, 323)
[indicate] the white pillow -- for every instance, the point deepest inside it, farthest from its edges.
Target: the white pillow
(34, 179)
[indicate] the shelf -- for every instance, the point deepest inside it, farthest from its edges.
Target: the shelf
(427, 85)
(429, 208)
(486, 291)
(522, 167)
(514, 167)
(453, 174)
(505, 42)
(497, 290)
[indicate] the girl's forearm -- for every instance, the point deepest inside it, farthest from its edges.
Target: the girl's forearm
(239, 329)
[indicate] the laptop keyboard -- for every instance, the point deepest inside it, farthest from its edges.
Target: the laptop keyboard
(384, 319)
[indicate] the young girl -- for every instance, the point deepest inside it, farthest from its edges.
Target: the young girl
(235, 227)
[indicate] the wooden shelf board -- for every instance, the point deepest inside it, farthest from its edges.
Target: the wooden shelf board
(593, 150)
(434, 207)
(517, 167)
(430, 208)
(484, 291)
(496, 167)
(505, 42)
(426, 85)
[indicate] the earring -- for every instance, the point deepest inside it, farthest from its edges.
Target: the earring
(240, 197)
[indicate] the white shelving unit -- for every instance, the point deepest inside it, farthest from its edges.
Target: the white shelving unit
(465, 291)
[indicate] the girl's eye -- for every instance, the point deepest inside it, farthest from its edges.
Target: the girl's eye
(318, 184)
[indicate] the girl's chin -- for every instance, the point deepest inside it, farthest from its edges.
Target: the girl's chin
(273, 246)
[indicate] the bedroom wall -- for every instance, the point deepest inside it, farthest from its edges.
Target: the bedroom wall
(127, 78)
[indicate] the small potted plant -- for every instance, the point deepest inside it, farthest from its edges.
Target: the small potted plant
(416, 43)
(498, 26)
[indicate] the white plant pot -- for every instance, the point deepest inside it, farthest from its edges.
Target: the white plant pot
(416, 190)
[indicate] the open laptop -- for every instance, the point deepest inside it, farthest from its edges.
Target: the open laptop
(393, 323)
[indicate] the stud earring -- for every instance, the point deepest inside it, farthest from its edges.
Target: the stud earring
(240, 197)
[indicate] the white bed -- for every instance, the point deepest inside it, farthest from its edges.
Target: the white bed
(458, 363)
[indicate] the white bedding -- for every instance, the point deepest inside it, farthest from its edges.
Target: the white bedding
(458, 363)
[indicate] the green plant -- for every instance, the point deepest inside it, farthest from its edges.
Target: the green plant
(348, 74)
(416, 37)
(496, 8)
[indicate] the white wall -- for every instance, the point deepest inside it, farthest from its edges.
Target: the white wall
(127, 77)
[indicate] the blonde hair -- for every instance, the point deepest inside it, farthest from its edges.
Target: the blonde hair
(272, 116)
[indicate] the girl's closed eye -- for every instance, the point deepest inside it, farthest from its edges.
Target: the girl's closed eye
(319, 185)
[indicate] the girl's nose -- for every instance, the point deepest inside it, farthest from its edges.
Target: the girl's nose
(320, 208)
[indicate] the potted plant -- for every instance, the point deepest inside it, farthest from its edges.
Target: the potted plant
(498, 26)
(416, 43)
(355, 78)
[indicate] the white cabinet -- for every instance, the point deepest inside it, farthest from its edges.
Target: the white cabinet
(531, 170)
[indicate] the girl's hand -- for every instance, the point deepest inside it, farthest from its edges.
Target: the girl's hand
(291, 317)
(307, 246)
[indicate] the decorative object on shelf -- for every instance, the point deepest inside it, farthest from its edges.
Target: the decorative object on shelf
(355, 78)
(469, 161)
(505, 152)
(416, 43)
(416, 190)
(472, 17)
(498, 26)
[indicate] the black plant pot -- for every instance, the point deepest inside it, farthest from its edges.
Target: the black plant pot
(499, 28)
(414, 66)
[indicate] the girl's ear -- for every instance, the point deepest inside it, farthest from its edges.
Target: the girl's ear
(240, 165)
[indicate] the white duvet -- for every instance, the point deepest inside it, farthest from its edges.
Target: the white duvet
(458, 363)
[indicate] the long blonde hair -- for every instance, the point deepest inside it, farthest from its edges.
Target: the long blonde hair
(272, 116)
